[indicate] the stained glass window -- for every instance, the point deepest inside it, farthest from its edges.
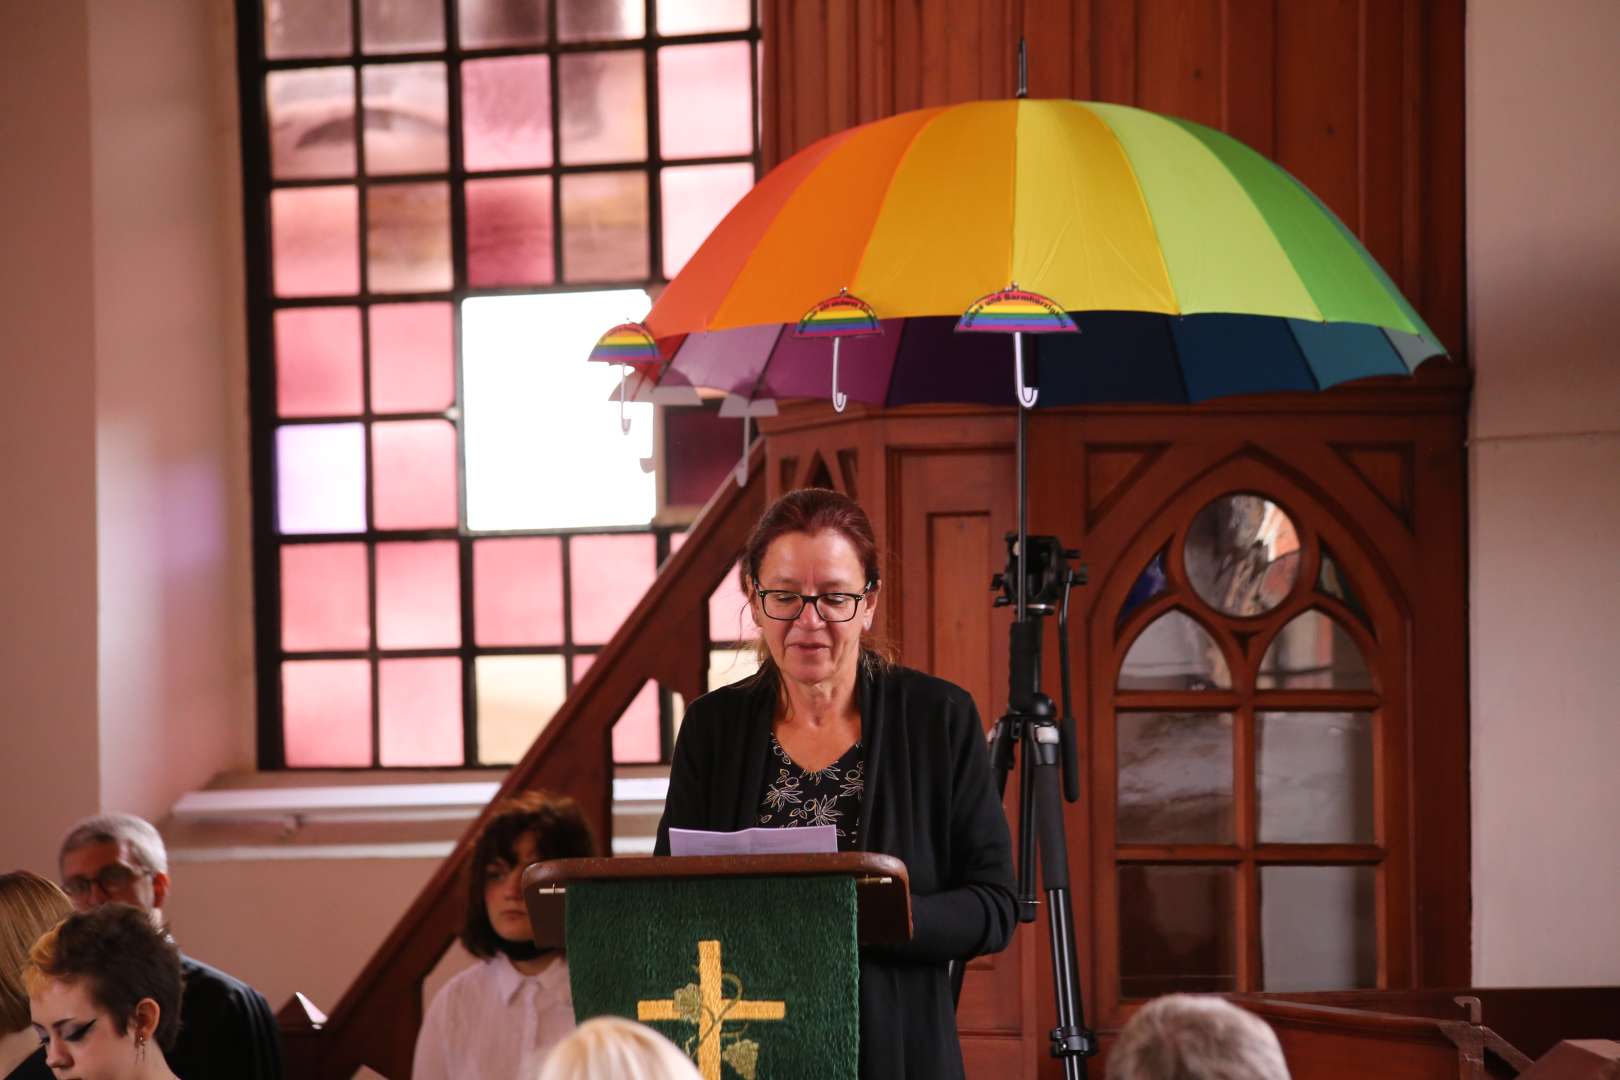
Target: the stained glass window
(450, 202)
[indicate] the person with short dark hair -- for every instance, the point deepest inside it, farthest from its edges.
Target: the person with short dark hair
(831, 731)
(229, 1031)
(104, 993)
(1196, 1037)
(502, 1017)
(29, 906)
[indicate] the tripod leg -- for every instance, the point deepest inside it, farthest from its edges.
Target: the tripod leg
(1070, 1040)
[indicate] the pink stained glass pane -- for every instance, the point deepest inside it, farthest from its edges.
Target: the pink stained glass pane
(600, 20)
(729, 619)
(487, 24)
(703, 16)
(517, 591)
(305, 28)
(419, 712)
(321, 478)
(393, 26)
(695, 199)
(408, 237)
(318, 362)
(609, 573)
(506, 113)
(413, 465)
(314, 240)
(326, 712)
(418, 595)
(311, 122)
(603, 106)
(635, 734)
(605, 226)
(706, 104)
(411, 358)
(509, 232)
(407, 130)
(324, 597)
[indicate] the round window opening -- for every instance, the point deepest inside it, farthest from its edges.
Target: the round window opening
(1242, 555)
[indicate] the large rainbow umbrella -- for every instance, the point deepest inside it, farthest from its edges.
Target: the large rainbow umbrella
(1192, 266)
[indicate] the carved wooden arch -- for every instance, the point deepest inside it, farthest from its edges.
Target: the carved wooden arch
(1371, 545)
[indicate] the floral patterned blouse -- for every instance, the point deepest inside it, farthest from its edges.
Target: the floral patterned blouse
(794, 798)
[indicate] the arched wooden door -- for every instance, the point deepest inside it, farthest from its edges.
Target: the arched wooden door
(1274, 702)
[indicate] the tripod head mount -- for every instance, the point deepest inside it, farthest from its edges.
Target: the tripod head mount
(1047, 574)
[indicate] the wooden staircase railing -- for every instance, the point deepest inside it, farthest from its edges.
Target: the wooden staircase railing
(666, 638)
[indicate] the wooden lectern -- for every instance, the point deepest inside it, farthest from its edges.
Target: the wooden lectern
(882, 886)
(747, 962)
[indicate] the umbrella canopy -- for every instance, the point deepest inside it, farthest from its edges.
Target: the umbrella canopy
(1194, 266)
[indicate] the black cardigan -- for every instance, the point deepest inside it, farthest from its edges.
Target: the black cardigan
(929, 800)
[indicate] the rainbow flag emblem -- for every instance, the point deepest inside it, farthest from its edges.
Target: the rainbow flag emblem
(839, 316)
(627, 343)
(1016, 311)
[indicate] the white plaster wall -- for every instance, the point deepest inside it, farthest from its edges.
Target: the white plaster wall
(171, 444)
(48, 736)
(307, 925)
(1543, 106)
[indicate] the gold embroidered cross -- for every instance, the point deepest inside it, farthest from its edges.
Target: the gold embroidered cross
(710, 1009)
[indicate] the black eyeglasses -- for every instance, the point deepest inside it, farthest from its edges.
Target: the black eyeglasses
(114, 877)
(785, 604)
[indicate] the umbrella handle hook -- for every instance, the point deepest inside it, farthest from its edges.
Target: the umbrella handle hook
(741, 471)
(839, 398)
(1027, 395)
(624, 421)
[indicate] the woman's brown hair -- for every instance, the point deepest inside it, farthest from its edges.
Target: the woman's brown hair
(560, 832)
(29, 906)
(811, 511)
(122, 958)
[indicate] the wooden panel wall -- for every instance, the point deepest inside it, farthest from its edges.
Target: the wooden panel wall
(1360, 99)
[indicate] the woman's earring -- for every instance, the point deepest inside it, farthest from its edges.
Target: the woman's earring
(140, 1048)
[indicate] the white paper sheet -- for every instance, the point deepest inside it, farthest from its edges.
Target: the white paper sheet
(810, 840)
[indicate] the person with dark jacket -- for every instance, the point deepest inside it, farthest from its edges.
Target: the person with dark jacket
(830, 732)
(226, 1027)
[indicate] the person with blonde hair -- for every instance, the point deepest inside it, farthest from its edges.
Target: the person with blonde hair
(612, 1048)
(104, 993)
(29, 906)
(1196, 1037)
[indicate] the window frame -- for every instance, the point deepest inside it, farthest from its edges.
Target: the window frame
(262, 303)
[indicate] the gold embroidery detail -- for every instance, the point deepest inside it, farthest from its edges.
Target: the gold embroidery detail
(705, 1004)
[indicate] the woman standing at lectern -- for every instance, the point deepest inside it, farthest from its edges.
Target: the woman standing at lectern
(831, 732)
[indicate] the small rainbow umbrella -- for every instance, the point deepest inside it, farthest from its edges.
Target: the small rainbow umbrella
(1192, 266)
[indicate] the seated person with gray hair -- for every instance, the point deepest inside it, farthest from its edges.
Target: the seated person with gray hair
(226, 1026)
(1196, 1037)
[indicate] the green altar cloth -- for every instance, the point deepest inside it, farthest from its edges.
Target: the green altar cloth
(756, 978)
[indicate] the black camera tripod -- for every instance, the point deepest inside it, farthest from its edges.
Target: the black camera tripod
(1035, 584)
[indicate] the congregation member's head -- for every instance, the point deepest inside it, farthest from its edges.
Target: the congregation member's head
(1196, 1037)
(611, 1048)
(525, 829)
(29, 906)
(811, 572)
(104, 993)
(115, 858)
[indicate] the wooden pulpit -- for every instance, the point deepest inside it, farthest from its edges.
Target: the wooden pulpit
(749, 963)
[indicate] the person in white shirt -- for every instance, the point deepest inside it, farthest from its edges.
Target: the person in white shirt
(501, 1018)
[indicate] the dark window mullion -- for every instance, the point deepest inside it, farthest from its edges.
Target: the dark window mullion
(655, 172)
(254, 112)
(555, 77)
(361, 232)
